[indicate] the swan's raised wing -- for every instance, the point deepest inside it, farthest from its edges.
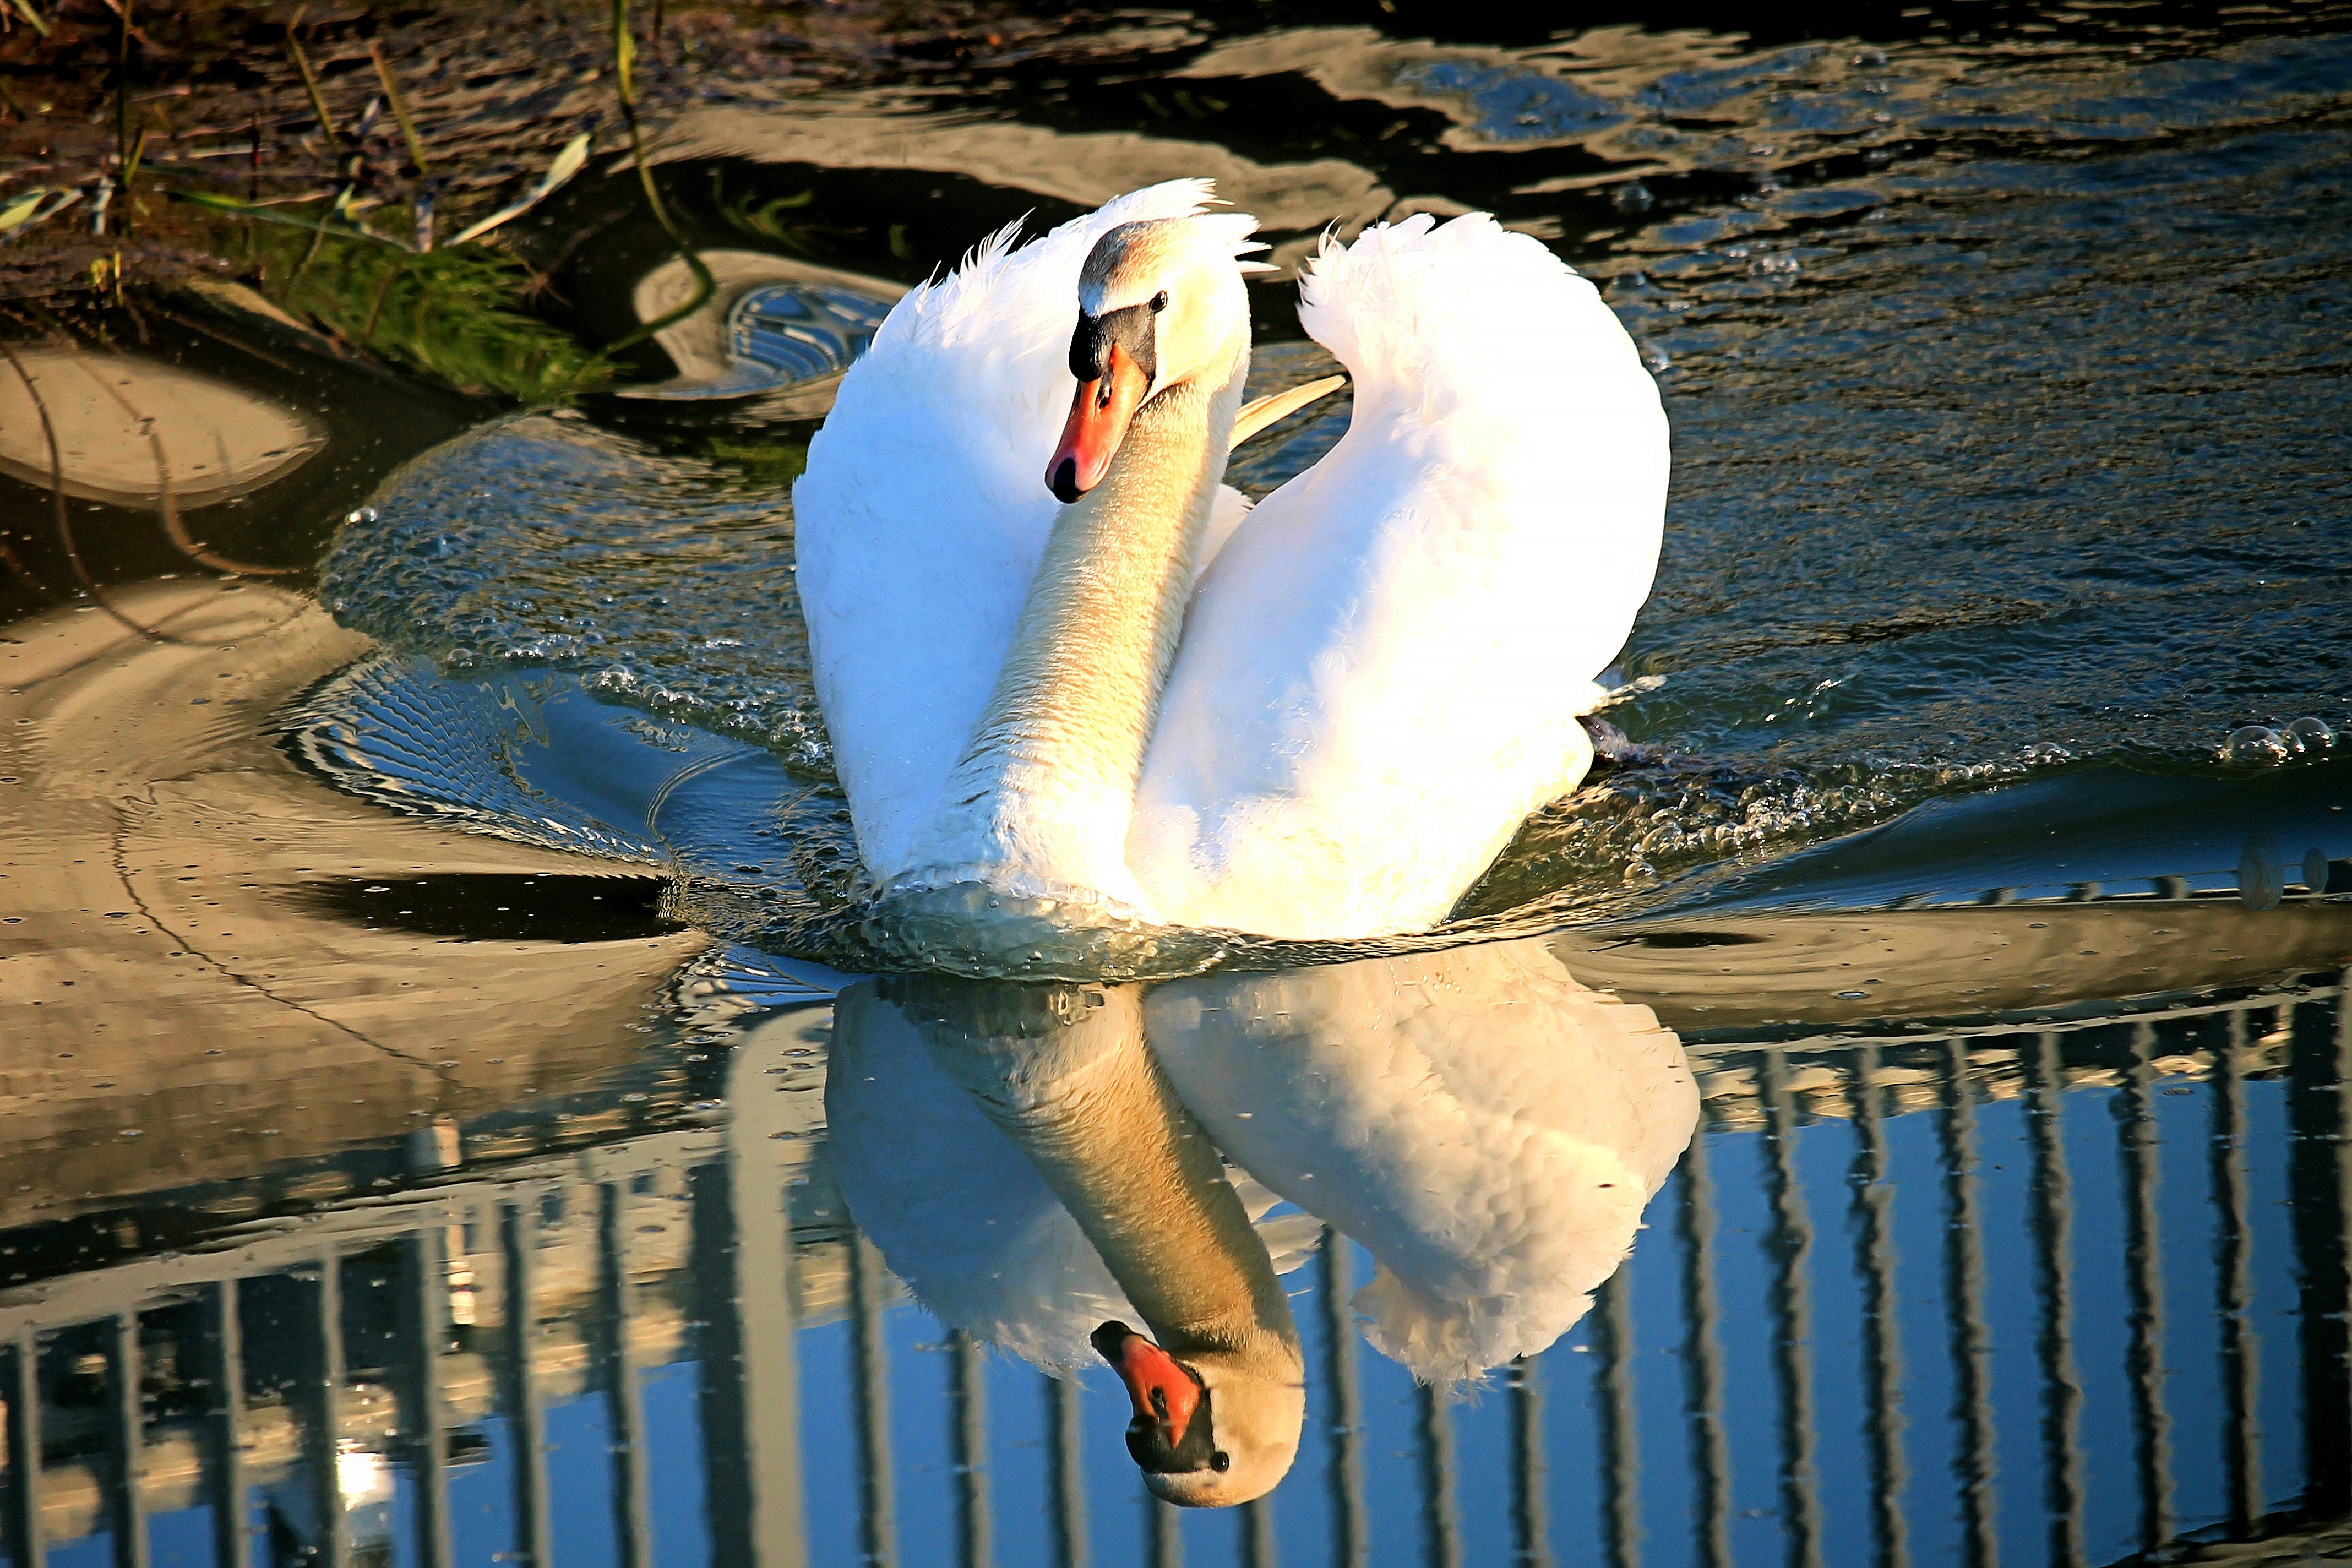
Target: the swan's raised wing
(1381, 669)
(924, 509)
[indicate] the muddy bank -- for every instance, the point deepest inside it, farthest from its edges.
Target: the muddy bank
(409, 126)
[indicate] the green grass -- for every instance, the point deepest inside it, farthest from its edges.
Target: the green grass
(770, 465)
(453, 315)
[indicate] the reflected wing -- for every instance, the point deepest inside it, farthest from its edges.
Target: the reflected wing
(1487, 1127)
(1381, 669)
(924, 509)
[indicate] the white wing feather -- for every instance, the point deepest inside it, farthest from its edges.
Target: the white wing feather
(1380, 672)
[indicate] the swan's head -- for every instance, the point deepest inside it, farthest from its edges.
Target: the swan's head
(1160, 306)
(1217, 1430)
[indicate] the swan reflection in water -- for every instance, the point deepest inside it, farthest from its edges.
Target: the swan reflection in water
(1045, 1164)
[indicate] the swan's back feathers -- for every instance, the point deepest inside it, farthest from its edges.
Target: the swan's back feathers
(1380, 672)
(924, 509)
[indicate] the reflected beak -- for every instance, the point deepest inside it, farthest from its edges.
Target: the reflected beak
(1163, 1393)
(1097, 424)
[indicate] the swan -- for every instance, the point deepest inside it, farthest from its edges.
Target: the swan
(1063, 664)
(1064, 1074)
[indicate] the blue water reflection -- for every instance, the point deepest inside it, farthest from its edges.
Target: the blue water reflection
(2002, 1294)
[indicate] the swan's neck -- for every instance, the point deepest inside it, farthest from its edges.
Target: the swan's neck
(1094, 1111)
(1039, 803)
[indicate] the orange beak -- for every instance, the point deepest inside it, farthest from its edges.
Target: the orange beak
(1097, 424)
(1163, 1393)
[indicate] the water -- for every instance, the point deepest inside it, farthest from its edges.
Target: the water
(446, 1121)
(1987, 460)
(2045, 1292)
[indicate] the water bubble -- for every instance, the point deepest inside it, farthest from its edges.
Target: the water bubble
(2254, 744)
(2308, 735)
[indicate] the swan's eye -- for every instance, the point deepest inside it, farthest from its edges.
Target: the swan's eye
(1221, 1460)
(1159, 302)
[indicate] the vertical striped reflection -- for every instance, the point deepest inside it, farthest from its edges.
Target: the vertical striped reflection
(632, 1497)
(1710, 1445)
(2053, 1225)
(1163, 1539)
(2338, 1148)
(1440, 1525)
(229, 1481)
(26, 1549)
(2135, 1110)
(1790, 1245)
(1066, 1473)
(2233, 1280)
(1257, 1535)
(1350, 1546)
(526, 1413)
(124, 1375)
(1882, 1327)
(877, 1512)
(1964, 1319)
(2319, 1076)
(968, 1399)
(183, 1322)
(326, 1424)
(1530, 1520)
(425, 1280)
(747, 1377)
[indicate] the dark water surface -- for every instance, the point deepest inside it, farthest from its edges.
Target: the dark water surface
(486, 1149)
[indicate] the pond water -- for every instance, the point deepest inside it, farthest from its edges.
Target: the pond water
(1903, 1113)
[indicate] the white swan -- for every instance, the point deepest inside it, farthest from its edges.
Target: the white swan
(1320, 719)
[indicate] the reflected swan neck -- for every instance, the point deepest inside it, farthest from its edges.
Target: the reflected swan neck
(1092, 1107)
